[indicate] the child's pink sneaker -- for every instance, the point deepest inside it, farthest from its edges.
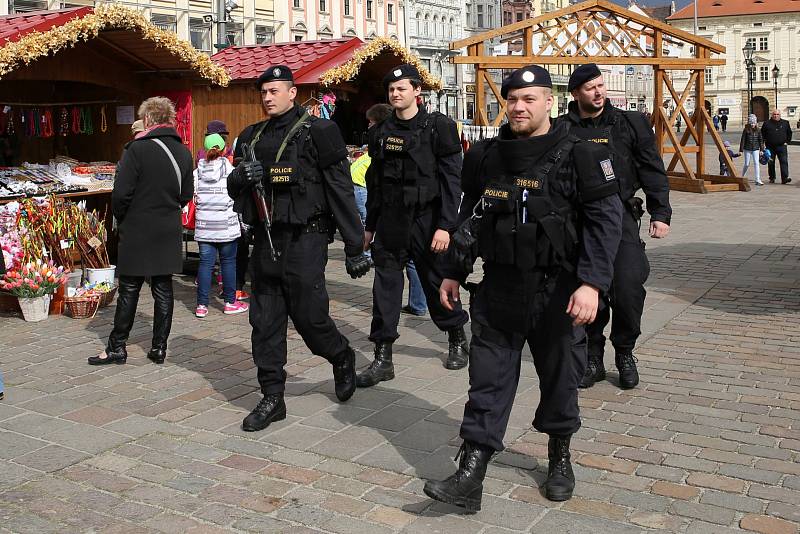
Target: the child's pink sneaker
(233, 308)
(201, 311)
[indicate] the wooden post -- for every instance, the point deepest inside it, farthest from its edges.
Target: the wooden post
(658, 94)
(700, 99)
(481, 119)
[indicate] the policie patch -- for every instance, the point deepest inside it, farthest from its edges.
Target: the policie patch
(281, 174)
(608, 170)
(394, 143)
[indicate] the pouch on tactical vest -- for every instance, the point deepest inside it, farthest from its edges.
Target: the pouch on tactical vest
(521, 226)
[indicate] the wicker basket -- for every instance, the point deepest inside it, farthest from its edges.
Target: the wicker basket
(82, 307)
(108, 297)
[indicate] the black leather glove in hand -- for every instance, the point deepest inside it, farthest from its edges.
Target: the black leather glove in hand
(358, 266)
(252, 171)
(245, 174)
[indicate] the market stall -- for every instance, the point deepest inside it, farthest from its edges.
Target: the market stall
(72, 80)
(70, 84)
(335, 78)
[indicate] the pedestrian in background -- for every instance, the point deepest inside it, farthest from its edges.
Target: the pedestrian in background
(723, 167)
(217, 227)
(417, 305)
(777, 134)
(723, 121)
(750, 145)
(716, 122)
(152, 184)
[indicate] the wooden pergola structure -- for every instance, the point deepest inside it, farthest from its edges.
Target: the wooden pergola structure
(598, 31)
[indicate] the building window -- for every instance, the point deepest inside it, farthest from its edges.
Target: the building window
(763, 43)
(346, 8)
(418, 17)
(296, 4)
(389, 12)
(519, 17)
(165, 22)
(426, 27)
(323, 6)
(24, 6)
(490, 18)
(234, 32)
(763, 73)
(708, 76)
(480, 16)
(200, 34)
(369, 9)
(751, 42)
(298, 37)
(265, 34)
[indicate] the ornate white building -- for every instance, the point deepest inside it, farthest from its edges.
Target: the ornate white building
(327, 19)
(431, 26)
(772, 27)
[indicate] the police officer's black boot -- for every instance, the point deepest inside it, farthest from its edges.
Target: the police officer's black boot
(595, 371)
(628, 375)
(344, 374)
(458, 349)
(270, 409)
(463, 488)
(380, 369)
(560, 478)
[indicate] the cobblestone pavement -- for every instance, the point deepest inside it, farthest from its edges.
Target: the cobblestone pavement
(709, 443)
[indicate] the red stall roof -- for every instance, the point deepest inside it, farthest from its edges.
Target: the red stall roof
(307, 59)
(13, 27)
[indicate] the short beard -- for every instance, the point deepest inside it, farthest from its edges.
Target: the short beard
(522, 130)
(590, 108)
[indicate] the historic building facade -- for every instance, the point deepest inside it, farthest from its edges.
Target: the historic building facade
(772, 28)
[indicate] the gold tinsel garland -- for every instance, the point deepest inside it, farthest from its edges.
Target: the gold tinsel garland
(350, 69)
(107, 16)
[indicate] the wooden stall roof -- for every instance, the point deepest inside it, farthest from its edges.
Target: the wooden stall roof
(373, 60)
(307, 59)
(118, 31)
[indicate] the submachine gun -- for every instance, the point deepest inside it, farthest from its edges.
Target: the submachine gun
(260, 198)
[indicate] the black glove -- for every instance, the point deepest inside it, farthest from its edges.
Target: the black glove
(464, 245)
(358, 266)
(252, 171)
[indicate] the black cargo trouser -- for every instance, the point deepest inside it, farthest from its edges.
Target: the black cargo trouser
(293, 286)
(559, 356)
(387, 288)
(626, 296)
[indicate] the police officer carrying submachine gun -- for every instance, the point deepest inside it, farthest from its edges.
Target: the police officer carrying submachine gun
(295, 191)
(413, 197)
(547, 221)
(637, 164)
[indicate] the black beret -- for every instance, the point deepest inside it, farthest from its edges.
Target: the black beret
(401, 72)
(530, 76)
(276, 73)
(583, 74)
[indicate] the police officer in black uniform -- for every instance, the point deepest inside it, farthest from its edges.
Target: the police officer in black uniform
(637, 164)
(412, 206)
(547, 216)
(301, 176)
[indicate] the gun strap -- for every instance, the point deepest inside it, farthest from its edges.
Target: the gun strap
(303, 118)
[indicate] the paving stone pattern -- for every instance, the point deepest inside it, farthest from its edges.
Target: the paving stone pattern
(709, 442)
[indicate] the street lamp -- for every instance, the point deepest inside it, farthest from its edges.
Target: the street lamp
(748, 50)
(775, 73)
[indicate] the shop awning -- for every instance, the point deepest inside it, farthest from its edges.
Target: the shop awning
(115, 30)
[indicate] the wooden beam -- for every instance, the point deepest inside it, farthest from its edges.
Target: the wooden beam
(678, 148)
(686, 149)
(514, 62)
(527, 41)
(480, 102)
(591, 5)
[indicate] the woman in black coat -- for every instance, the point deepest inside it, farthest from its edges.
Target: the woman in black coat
(153, 182)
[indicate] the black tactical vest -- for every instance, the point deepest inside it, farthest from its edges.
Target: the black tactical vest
(406, 163)
(525, 222)
(294, 183)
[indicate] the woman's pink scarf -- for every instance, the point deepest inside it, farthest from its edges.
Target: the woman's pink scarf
(147, 131)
